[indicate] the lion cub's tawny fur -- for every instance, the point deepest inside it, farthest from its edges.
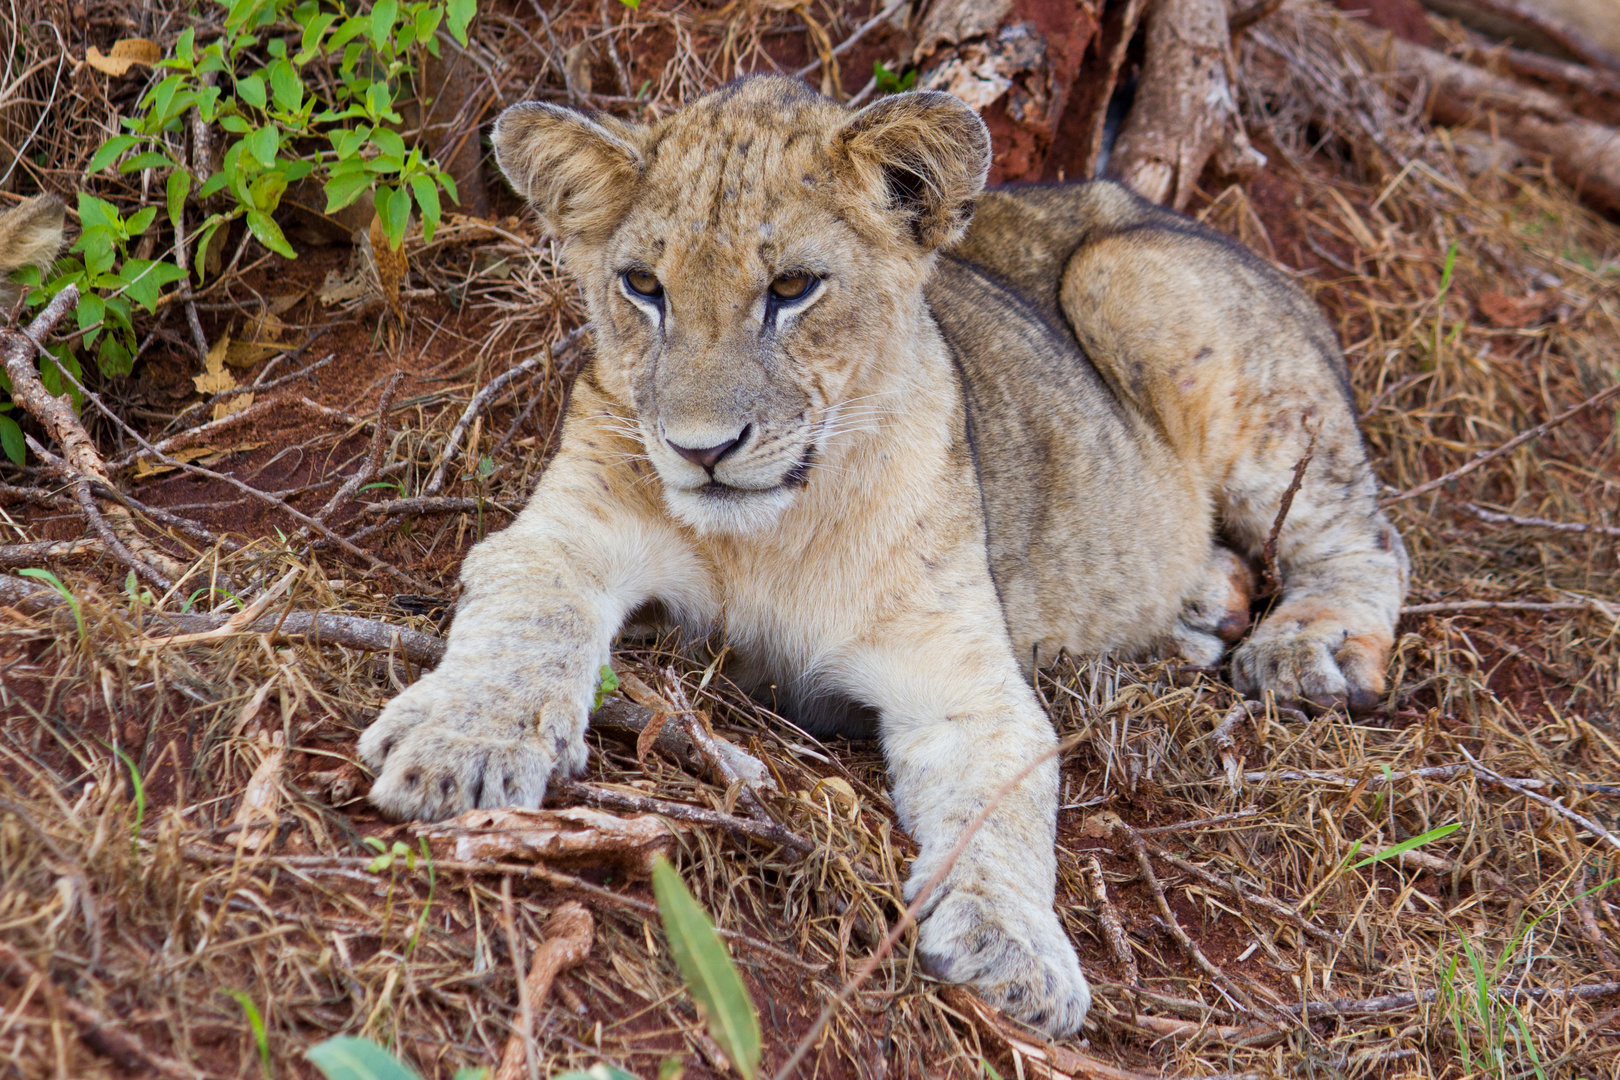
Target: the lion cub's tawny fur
(899, 461)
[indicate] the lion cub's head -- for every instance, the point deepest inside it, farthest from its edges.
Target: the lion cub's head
(749, 263)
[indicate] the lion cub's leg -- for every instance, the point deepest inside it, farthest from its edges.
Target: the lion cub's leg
(1236, 371)
(959, 724)
(1215, 615)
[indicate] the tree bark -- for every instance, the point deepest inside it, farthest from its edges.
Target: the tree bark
(1184, 110)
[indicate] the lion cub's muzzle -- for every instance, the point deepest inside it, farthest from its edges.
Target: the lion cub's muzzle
(730, 478)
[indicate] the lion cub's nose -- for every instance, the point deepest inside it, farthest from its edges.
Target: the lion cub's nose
(708, 456)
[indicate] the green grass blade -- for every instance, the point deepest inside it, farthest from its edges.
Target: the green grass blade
(1408, 844)
(709, 973)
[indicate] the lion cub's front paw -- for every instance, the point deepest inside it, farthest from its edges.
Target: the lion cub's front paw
(450, 744)
(1316, 664)
(1013, 952)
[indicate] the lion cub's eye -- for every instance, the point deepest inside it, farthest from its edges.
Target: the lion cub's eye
(643, 284)
(792, 286)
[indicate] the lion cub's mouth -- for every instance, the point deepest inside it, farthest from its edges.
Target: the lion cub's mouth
(795, 478)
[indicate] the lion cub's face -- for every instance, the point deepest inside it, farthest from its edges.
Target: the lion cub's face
(745, 261)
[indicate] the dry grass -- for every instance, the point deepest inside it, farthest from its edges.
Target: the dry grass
(125, 760)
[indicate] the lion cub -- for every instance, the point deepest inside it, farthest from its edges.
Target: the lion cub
(899, 460)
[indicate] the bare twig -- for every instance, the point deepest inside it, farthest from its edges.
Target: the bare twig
(1540, 523)
(1173, 925)
(50, 550)
(622, 800)
(436, 504)
(1271, 574)
(1506, 448)
(1551, 804)
(452, 445)
(855, 36)
(368, 471)
(120, 1046)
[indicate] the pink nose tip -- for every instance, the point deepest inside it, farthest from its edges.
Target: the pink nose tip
(708, 456)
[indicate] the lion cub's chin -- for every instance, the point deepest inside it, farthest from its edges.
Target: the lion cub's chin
(715, 510)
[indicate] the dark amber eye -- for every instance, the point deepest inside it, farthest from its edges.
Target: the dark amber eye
(643, 284)
(791, 286)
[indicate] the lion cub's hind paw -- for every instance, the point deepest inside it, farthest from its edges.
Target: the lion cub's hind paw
(1019, 961)
(1313, 665)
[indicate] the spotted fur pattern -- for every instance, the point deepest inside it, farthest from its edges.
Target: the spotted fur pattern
(959, 451)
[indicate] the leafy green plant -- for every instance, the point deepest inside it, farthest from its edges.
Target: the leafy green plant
(63, 591)
(607, 683)
(707, 968)
(285, 121)
(888, 82)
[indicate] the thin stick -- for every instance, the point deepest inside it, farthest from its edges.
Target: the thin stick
(49, 550)
(1540, 523)
(1399, 1002)
(514, 945)
(481, 399)
(1108, 918)
(1591, 604)
(1507, 447)
(1428, 772)
(769, 832)
(909, 916)
(433, 504)
(850, 42)
(1173, 925)
(1271, 574)
(368, 471)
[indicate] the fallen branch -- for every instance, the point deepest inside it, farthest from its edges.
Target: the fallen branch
(1108, 918)
(429, 504)
(1585, 154)
(1588, 604)
(1171, 924)
(452, 445)
(1512, 444)
(81, 459)
(568, 936)
(51, 551)
(122, 1047)
(1047, 1060)
(574, 835)
(1400, 1002)
(425, 650)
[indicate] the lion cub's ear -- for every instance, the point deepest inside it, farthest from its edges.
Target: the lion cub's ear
(927, 155)
(580, 174)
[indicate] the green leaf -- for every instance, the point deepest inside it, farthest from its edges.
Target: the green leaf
(1408, 844)
(460, 14)
(344, 1057)
(251, 90)
(149, 160)
(384, 13)
(90, 312)
(469, 1072)
(607, 682)
(95, 212)
(109, 152)
(11, 441)
(427, 197)
(262, 144)
(268, 233)
(287, 87)
(708, 970)
(146, 280)
(343, 190)
(211, 185)
(175, 190)
(389, 142)
(141, 220)
(394, 207)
